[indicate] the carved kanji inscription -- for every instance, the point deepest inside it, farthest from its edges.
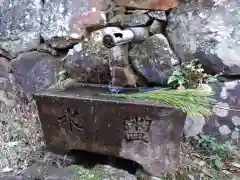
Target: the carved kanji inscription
(136, 128)
(71, 120)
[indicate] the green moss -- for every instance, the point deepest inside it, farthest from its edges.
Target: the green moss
(81, 173)
(99, 172)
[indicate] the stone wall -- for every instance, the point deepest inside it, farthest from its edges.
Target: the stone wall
(35, 35)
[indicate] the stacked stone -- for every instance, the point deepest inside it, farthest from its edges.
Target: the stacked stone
(177, 32)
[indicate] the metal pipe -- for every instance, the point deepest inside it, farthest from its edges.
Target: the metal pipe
(115, 36)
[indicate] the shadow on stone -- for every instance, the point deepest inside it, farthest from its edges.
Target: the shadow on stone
(90, 160)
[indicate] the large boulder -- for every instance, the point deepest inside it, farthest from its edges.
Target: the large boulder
(88, 61)
(154, 59)
(19, 26)
(63, 21)
(209, 31)
(34, 71)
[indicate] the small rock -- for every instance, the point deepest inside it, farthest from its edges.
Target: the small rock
(7, 170)
(130, 20)
(193, 126)
(235, 135)
(236, 120)
(158, 15)
(221, 109)
(121, 73)
(156, 27)
(224, 130)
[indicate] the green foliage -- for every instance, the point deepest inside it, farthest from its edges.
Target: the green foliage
(217, 151)
(190, 75)
(62, 75)
(81, 173)
(195, 102)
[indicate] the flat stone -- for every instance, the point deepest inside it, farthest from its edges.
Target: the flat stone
(139, 11)
(20, 26)
(149, 4)
(158, 15)
(130, 20)
(82, 118)
(67, 20)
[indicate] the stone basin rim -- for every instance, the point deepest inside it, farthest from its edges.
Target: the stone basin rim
(105, 99)
(92, 92)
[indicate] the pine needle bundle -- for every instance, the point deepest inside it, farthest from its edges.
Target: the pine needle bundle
(194, 102)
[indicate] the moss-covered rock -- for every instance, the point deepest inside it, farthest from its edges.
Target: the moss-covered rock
(75, 172)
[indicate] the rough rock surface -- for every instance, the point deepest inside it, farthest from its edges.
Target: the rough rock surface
(154, 59)
(209, 31)
(89, 61)
(34, 71)
(131, 20)
(158, 15)
(225, 122)
(148, 4)
(19, 26)
(121, 73)
(156, 27)
(4, 68)
(67, 19)
(82, 118)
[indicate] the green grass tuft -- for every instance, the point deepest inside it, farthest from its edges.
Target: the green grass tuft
(194, 102)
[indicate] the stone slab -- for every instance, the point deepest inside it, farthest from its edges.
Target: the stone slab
(82, 118)
(149, 4)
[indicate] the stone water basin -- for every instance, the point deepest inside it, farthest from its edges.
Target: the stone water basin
(83, 118)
